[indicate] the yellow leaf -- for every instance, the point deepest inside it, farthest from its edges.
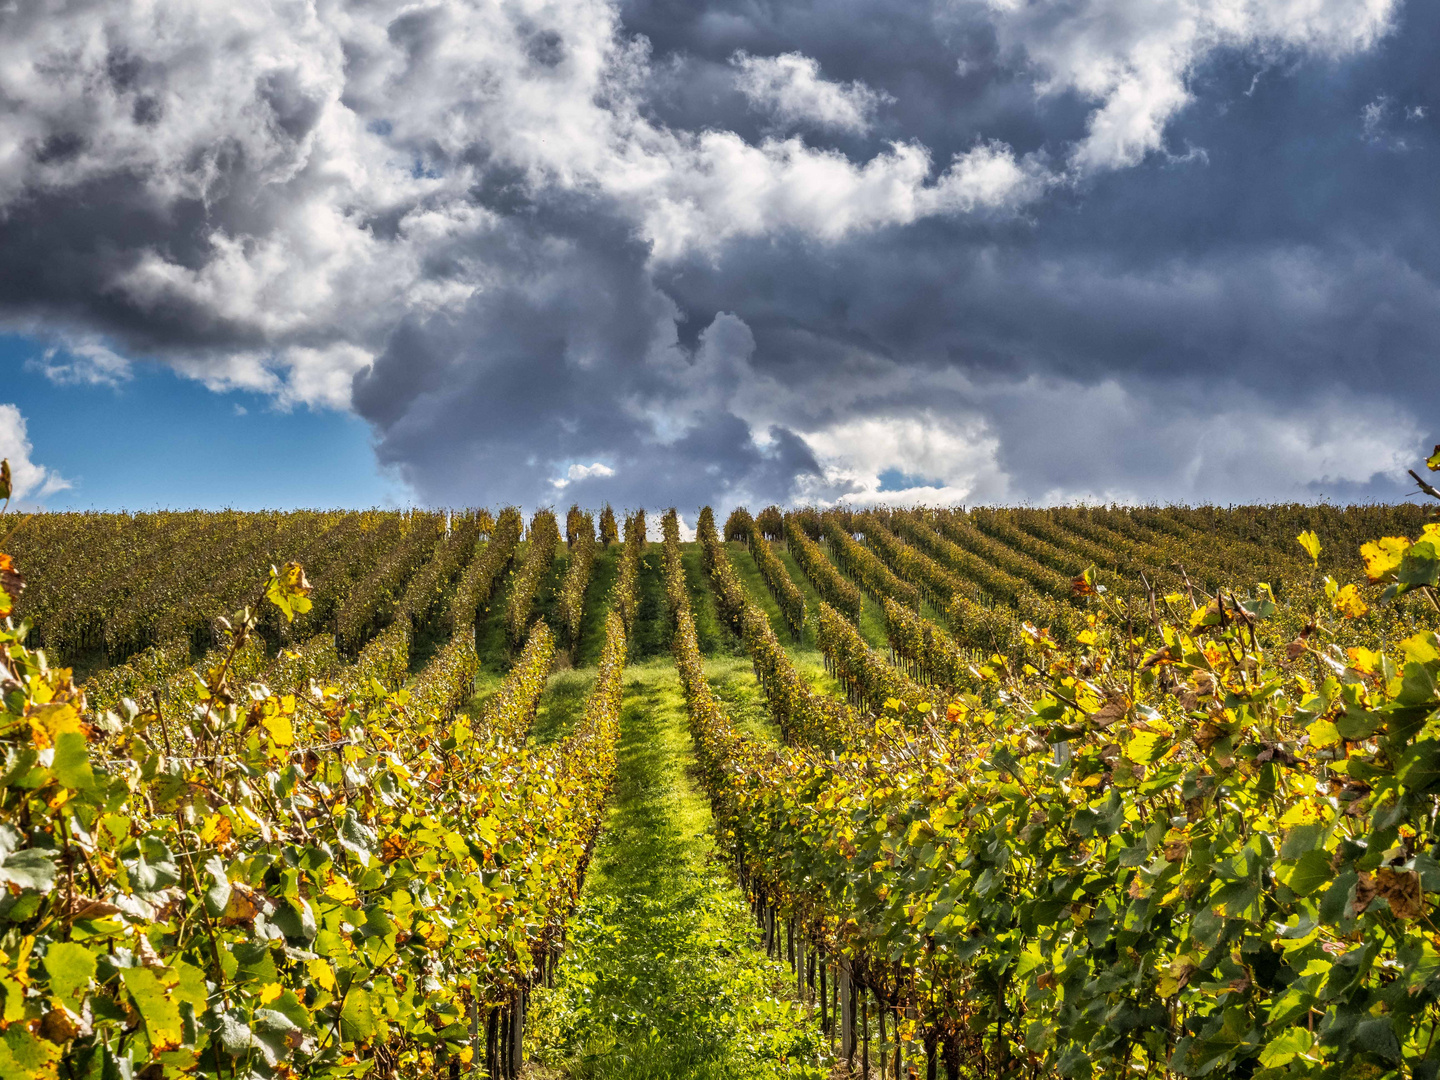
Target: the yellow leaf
(270, 992)
(1144, 747)
(1323, 733)
(278, 727)
(1364, 660)
(340, 889)
(1421, 648)
(1302, 813)
(1349, 604)
(1382, 557)
(215, 830)
(1311, 543)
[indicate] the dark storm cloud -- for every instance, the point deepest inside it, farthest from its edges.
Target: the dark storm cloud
(569, 254)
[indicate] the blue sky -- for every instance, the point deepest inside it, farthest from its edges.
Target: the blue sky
(717, 252)
(161, 440)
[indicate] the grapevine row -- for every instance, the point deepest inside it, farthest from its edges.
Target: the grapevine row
(802, 714)
(477, 584)
(541, 541)
(782, 586)
(832, 587)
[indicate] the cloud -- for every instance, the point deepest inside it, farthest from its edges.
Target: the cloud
(1134, 58)
(583, 472)
(32, 483)
(737, 252)
(790, 87)
(82, 362)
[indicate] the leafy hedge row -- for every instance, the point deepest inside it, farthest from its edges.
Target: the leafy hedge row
(448, 680)
(477, 583)
(382, 666)
(868, 678)
(782, 586)
(802, 715)
(1002, 527)
(627, 579)
(832, 587)
(423, 601)
(1051, 527)
(137, 676)
(508, 714)
(570, 607)
(955, 526)
(864, 566)
(296, 667)
(976, 622)
(541, 541)
(923, 650)
(375, 600)
(609, 533)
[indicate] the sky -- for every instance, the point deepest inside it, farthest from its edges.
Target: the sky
(649, 252)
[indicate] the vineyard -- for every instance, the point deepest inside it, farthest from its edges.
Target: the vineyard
(901, 792)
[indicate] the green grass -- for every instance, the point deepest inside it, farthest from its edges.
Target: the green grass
(651, 636)
(662, 977)
(561, 704)
(714, 637)
(804, 654)
(597, 606)
(748, 571)
(733, 680)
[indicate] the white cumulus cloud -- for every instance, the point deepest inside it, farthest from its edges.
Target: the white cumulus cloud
(1134, 58)
(583, 472)
(790, 87)
(32, 483)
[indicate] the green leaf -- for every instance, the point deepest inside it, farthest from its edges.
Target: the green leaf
(70, 968)
(160, 1014)
(1285, 1048)
(1237, 900)
(72, 761)
(217, 897)
(357, 1019)
(23, 1056)
(1377, 1036)
(1307, 873)
(235, 1036)
(29, 870)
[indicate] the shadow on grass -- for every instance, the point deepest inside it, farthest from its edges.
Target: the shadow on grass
(662, 978)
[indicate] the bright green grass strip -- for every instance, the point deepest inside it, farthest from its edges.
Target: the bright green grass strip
(714, 637)
(733, 680)
(651, 636)
(597, 606)
(804, 654)
(662, 978)
(561, 704)
(749, 574)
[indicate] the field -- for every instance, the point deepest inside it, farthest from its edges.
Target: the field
(906, 792)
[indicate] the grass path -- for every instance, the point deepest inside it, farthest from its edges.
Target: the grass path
(662, 978)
